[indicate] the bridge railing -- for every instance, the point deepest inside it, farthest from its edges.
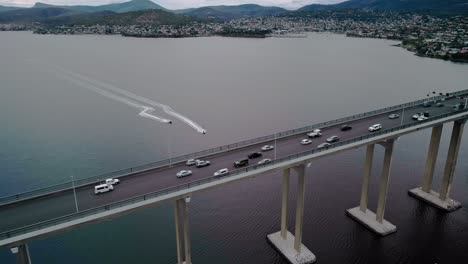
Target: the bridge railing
(205, 153)
(144, 197)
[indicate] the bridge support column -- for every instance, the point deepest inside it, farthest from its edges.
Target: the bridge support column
(182, 227)
(375, 222)
(425, 193)
(290, 246)
(22, 254)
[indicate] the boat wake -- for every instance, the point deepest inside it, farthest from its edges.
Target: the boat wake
(144, 104)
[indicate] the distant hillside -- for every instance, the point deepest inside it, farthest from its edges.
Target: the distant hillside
(234, 12)
(134, 5)
(436, 6)
(8, 8)
(145, 17)
(30, 15)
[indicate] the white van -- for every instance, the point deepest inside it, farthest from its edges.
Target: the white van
(102, 188)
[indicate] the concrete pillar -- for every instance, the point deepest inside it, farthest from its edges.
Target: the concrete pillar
(384, 181)
(284, 205)
(22, 254)
(452, 157)
(188, 255)
(299, 207)
(366, 179)
(177, 226)
(432, 158)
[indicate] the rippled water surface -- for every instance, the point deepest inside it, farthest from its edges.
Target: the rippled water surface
(55, 125)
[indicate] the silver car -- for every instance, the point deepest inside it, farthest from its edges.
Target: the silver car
(267, 147)
(264, 161)
(333, 139)
(184, 173)
(221, 172)
(324, 145)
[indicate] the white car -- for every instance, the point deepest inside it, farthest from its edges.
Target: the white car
(417, 115)
(184, 173)
(422, 118)
(324, 145)
(191, 162)
(112, 181)
(202, 163)
(221, 172)
(102, 188)
(306, 141)
(264, 161)
(267, 147)
(393, 116)
(375, 127)
(315, 133)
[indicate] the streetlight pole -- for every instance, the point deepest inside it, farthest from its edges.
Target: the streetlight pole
(74, 192)
(275, 146)
(402, 116)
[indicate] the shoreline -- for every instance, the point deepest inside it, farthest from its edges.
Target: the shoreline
(409, 48)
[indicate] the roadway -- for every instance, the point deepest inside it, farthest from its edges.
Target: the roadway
(24, 213)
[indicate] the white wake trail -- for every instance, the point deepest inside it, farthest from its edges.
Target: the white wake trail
(145, 110)
(167, 109)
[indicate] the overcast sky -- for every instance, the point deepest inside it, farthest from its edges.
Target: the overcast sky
(177, 4)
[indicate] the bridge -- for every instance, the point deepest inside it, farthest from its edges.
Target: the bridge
(44, 212)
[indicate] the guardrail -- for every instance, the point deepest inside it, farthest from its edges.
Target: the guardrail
(163, 163)
(140, 198)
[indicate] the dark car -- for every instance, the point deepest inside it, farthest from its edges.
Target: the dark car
(241, 163)
(346, 127)
(255, 155)
(426, 114)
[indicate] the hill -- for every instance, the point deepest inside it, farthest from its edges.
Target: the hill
(234, 12)
(134, 5)
(8, 8)
(434, 6)
(143, 17)
(30, 15)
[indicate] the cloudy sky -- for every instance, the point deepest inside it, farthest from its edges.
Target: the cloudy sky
(176, 4)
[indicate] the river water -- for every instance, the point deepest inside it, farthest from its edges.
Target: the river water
(56, 123)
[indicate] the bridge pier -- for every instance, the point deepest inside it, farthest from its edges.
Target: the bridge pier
(375, 221)
(183, 229)
(22, 254)
(425, 193)
(290, 246)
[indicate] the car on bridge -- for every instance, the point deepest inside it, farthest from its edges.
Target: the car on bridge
(264, 161)
(315, 133)
(202, 163)
(422, 118)
(375, 127)
(306, 141)
(346, 127)
(255, 155)
(324, 145)
(191, 162)
(241, 163)
(393, 116)
(103, 188)
(333, 139)
(221, 172)
(112, 181)
(184, 173)
(427, 104)
(417, 115)
(267, 147)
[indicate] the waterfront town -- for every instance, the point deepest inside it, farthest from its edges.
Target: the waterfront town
(425, 35)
